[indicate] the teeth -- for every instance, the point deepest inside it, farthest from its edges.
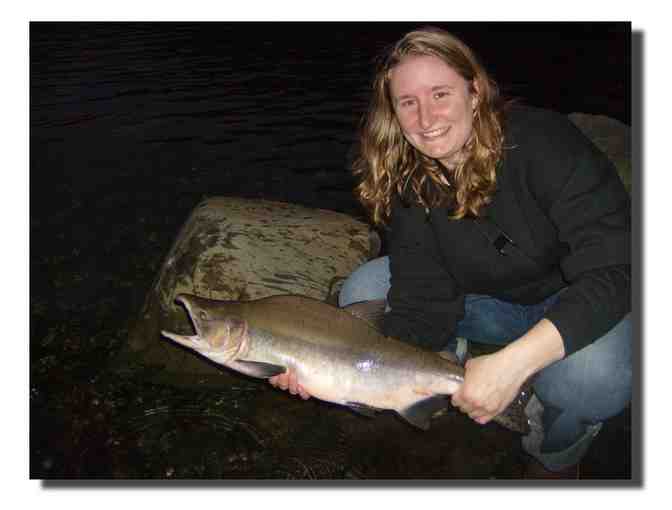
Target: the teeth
(435, 133)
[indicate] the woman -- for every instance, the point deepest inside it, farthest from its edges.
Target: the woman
(505, 226)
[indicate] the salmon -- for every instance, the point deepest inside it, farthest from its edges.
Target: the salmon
(339, 355)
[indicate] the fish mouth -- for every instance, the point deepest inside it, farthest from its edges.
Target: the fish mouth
(184, 301)
(188, 341)
(191, 341)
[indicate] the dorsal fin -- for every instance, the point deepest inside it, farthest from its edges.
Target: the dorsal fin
(369, 311)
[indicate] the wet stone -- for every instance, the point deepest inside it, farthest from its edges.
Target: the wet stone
(240, 249)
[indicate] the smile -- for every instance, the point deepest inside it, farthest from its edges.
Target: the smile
(435, 133)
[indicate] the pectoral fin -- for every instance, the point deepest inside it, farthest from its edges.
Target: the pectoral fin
(258, 368)
(420, 414)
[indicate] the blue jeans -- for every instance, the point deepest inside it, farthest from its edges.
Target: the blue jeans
(577, 393)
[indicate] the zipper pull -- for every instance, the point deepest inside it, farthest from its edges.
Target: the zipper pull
(501, 242)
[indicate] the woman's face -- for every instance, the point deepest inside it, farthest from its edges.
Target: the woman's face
(433, 105)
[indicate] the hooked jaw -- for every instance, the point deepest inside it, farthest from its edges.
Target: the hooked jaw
(212, 338)
(184, 301)
(202, 346)
(194, 341)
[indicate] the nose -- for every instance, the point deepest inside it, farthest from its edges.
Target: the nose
(425, 115)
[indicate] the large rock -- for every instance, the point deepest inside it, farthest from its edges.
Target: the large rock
(612, 137)
(240, 249)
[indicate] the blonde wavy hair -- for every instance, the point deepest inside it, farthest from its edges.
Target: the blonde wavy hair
(388, 165)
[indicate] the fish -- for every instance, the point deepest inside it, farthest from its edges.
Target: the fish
(340, 355)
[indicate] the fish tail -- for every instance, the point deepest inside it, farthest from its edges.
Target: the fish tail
(514, 417)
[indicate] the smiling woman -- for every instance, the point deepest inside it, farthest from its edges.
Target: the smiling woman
(435, 107)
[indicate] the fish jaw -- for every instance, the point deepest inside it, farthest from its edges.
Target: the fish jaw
(192, 342)
(194, 313)
(218, 339)
(202, 346)
(195, 342)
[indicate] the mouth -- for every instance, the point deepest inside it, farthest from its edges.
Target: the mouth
(435, 133)
(190, 312)
(188, 341)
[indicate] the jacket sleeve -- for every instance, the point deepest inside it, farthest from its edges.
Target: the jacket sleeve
(425, 303)
(586, 201)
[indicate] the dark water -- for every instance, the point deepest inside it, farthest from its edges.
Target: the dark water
(263, 107)
(276, 99)
(133, 124)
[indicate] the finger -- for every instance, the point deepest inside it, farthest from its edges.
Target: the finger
(292, 383)
(477, 414)
(462, 399)
(466, 409)
(482, 420)
(283, 381)
(483, 413)
(460, 403)
(304, 394)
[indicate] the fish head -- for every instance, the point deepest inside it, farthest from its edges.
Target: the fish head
(217, 338)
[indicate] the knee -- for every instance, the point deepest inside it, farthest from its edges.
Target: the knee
(606, 390)
(596, 381)
(490, 320)
(369, 281)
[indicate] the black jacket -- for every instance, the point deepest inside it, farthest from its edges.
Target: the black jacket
(561, 203)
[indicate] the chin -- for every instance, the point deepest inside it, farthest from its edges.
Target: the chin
(437, 153)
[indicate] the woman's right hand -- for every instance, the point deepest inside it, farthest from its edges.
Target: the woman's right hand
(288, 381)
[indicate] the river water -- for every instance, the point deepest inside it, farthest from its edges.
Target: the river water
(265, 105)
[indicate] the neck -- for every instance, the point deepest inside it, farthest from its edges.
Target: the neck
(454, 161)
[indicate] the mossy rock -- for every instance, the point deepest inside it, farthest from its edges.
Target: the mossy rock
(239, 249)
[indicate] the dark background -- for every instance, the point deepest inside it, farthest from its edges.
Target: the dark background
(133, 124)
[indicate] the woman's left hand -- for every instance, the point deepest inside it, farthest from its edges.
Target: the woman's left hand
(491, 382)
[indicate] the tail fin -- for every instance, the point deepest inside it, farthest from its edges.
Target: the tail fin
(514, 416)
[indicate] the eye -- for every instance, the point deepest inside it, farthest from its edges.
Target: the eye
(406, 103)
(441, 95)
